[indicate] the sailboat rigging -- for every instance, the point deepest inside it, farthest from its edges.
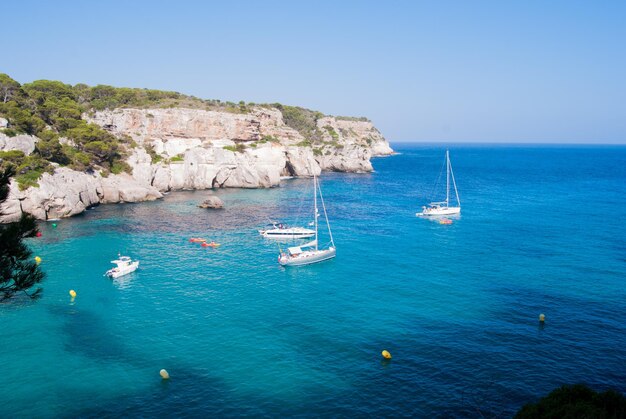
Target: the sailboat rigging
(297, 256)
(444, 208)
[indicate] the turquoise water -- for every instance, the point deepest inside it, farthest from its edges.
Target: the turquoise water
(542, 231)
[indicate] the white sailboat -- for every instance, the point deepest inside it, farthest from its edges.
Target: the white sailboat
(281, 231)
(310, 252)
(444, 208)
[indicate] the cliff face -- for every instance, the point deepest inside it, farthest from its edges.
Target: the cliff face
(346, 145)
(198, 149)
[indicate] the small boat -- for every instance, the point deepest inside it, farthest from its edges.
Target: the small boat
(443, 208)
(212, 244)
(281, 231)
(197, 240)
(125, 265)
(296, 256)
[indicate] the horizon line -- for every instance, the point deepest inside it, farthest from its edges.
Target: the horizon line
(487, 142)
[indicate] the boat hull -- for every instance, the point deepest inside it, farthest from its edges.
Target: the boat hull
(117, 272)
(287, 233)
(308, 257)
(437, 212)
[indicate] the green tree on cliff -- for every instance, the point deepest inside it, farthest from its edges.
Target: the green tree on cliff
(8, 88)
(18, 271)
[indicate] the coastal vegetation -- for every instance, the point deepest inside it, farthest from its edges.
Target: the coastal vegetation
(177, 158)
(237, 148)
(302, 120)
(52, 111)
(352, 118)
(19, 273)
(28, 169)
(576, 401)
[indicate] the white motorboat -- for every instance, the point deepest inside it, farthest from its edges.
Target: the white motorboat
(298, 256)
(443, 208)
(125, 265)
(281, 231)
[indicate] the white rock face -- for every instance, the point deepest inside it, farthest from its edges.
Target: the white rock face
(4, 123)
(23, 142)
(347, 144)
(67, 193)
(190, 149)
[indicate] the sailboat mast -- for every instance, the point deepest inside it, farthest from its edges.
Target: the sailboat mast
(455, 189)
(315, 211)
(330, 233)
(447, 177)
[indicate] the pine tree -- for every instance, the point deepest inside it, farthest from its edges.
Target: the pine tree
(18, 270)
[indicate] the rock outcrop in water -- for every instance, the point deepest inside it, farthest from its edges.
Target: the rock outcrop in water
(212, 202)
(181, 148)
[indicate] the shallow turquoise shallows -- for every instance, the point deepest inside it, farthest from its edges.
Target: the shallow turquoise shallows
(457, 306)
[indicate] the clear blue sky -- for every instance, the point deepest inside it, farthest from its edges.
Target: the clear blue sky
(422, 71)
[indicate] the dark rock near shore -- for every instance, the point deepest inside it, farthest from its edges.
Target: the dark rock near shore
(212, 202)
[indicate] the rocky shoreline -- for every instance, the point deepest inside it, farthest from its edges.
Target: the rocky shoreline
(185, 149)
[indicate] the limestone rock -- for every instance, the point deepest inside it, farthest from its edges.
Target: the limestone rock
(11, 210)
(23, 142)
(177, 132)
(124, 188)
(350, 158)
(212, 202)
(67, 192)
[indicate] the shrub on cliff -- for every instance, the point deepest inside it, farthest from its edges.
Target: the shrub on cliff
(18, 272)
(22, 120)
(332, 132)
(237, 148)
(352, 118)
(302, 120)
(27, 169)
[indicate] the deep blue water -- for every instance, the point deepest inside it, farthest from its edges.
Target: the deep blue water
(542, 231)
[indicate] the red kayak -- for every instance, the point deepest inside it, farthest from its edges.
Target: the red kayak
(212, 244)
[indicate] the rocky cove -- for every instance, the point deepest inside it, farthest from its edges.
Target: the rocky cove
(183, 149)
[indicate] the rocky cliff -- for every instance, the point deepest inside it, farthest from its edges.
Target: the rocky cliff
(180, 148)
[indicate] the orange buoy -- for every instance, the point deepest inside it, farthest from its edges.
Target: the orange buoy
(386, 354)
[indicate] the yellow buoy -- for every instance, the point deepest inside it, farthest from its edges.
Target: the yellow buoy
(386, 354)
(37, 260)
(72, 293)
(542, 318)
(164, 375)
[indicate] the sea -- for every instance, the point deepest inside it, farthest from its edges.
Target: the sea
(542, 231)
